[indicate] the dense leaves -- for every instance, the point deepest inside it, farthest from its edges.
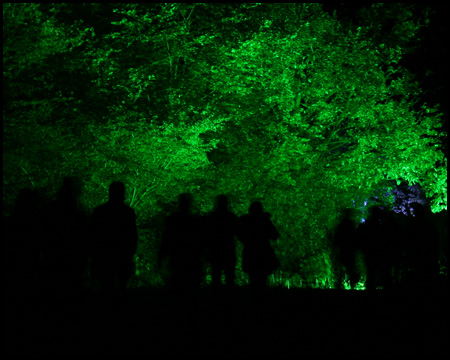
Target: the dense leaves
(278, 102)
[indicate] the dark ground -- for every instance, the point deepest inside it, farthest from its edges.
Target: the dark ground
(288, 322)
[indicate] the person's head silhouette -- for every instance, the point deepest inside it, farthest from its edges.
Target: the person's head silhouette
(347, 213)
(117, 192)
(71, 188)
(185, 202)
(221, 203)
(256, 208)
(27, 199)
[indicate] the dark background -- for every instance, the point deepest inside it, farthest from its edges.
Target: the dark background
(289, 321)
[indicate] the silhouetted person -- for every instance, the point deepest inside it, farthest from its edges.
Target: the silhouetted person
(345, 246)
(222, 229)
(116, 237)
(65, 225)
(391, 256)
(397, 249)
(23, 244)
(182, 244)
(258, 258)
(422, 248)
(373, 240)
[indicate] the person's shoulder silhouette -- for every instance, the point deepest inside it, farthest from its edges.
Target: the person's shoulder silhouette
(222, 221)
(115, 219)
(23, 242)
(115, 237)
(258, 257)
(63, 216)
(183, 226)
(182, 244)
(346, 228)
(257, 224)
(221, 247)
(66, 246)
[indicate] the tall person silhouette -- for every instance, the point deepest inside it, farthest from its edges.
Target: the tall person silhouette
(345, 242)
(372, 238)
(422, 248)
(258, 257)
(116, 237)
(222, 228)
(65, 255)
(24, 244)
(182, 244)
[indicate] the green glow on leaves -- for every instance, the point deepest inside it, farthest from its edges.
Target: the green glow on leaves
(293, 110)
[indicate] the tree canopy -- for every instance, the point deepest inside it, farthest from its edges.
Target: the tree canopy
(278, 102)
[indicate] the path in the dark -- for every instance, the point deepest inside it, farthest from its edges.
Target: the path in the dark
(287, 322)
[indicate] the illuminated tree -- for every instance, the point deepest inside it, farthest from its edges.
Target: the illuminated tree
(277, 102)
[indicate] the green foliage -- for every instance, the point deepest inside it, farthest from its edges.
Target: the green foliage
(299, 111)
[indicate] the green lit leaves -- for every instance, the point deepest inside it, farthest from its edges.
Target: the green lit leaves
(436, 186)
(176, 97)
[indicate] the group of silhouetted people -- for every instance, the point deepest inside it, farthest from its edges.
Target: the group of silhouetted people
(189, 238)
(55, 247)
(52, 248)
(396, 250)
